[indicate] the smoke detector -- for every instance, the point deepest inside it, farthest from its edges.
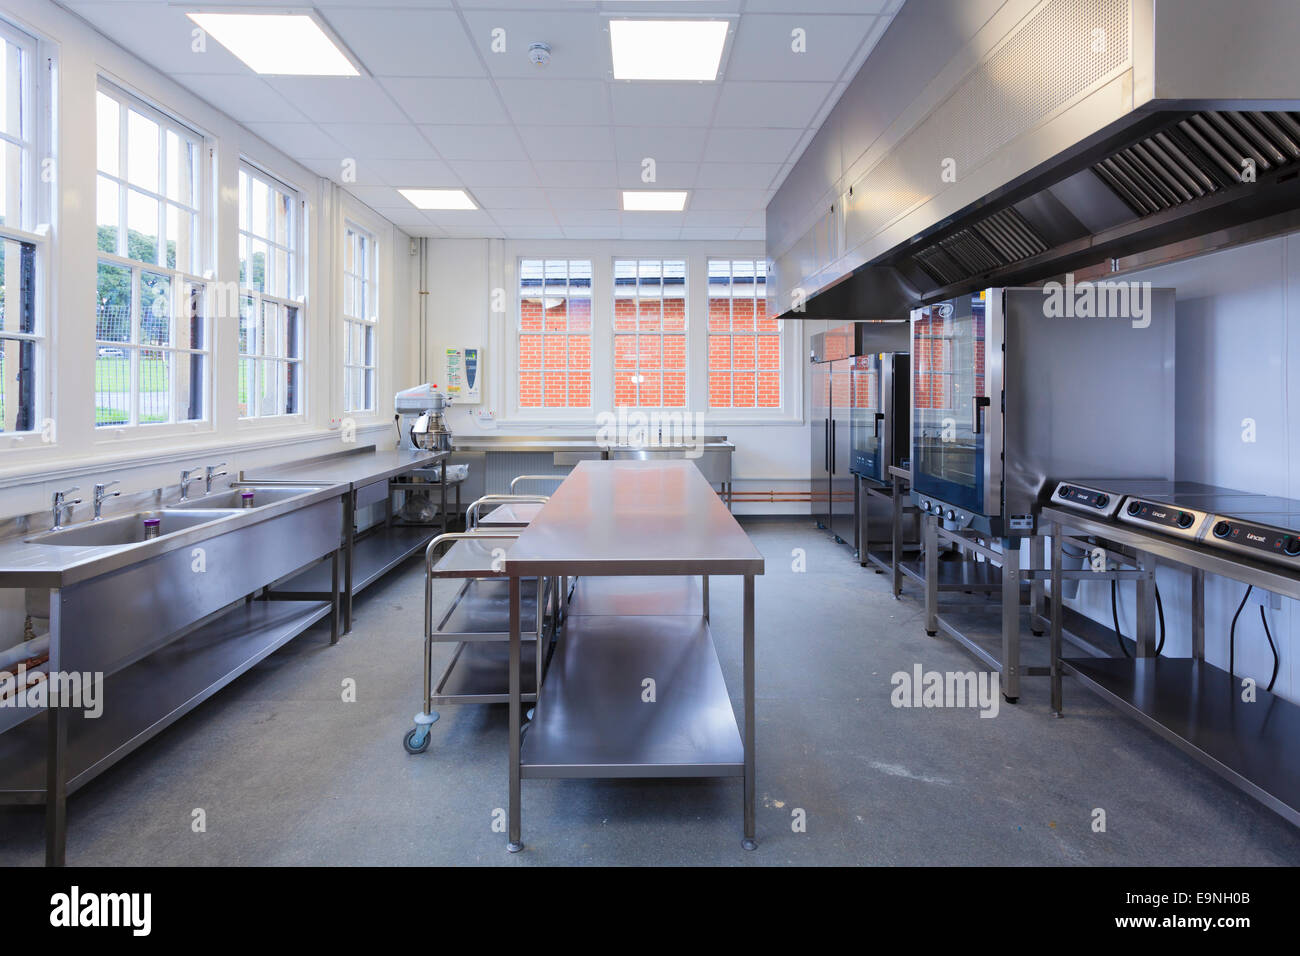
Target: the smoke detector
(539, 53)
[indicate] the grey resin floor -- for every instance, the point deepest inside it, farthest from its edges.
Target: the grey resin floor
(287, 773)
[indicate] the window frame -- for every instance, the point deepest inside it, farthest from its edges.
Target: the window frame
(686, 333)
(364, 322)
(35, 197)
(754, 412)
(184, 284)
(294, 303)
(520, 334)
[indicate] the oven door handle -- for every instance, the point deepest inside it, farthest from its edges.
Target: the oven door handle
(976, 423)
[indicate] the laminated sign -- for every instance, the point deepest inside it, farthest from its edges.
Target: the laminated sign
(464, 370)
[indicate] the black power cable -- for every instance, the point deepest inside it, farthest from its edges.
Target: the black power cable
(1114, 615)
(1273, 647)
(1232, 633)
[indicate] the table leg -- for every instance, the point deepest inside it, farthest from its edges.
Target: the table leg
(1055, 641)
(442, 498)
(56, 775)
(1146, 605)
(1198, 614)
(349, 535)
(515, 844)
(334, 597)
(749, 843)
(706, 597)
(896, 547)
(1011, 619)
(1037, 547)
(930, 541)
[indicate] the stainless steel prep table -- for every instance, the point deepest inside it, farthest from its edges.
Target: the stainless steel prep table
(1193, 704)
(633, 518)
(366, 471)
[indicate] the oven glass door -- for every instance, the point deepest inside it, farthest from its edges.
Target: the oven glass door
(865, 422)
(949, 398)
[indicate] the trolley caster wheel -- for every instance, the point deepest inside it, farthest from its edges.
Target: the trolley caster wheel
(1057, 714)
(513, 847)
(1038, 633)
(933, 633)
(749, 844)
(1011, 700)
(416, 740)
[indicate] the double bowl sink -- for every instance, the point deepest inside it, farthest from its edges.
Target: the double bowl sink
(173, 518)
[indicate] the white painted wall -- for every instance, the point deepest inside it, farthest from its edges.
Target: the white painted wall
(31, 470)
(770, 455)
(1238, 344)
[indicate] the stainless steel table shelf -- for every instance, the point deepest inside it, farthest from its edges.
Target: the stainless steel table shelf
(1198, 708)
(590, 719)
(152, 694)
(374, 554)
(479, 673)
(638, 595)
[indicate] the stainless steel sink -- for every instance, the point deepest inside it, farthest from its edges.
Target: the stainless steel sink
(233, 498)
(129, 529)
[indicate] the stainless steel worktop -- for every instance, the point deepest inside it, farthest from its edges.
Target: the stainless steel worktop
(356, 468)
(634, 517)
(25, 563)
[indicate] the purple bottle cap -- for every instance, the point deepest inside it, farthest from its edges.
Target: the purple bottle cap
(152, 522)
(247, 494)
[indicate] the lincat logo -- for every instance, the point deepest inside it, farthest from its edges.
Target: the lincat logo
(103, 910)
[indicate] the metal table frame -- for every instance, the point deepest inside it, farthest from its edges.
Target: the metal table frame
(1142, 550)
(900, 503)
(519, 564)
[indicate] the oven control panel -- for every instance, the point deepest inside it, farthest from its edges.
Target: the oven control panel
(1162, 516)
(1281, 545)
(1082, 498)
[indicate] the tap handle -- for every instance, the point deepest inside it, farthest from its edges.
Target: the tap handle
(61, 495)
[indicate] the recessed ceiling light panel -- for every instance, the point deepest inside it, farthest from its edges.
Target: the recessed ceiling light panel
(667, 49)
(654, 200)
(438, 198)
(278, 44)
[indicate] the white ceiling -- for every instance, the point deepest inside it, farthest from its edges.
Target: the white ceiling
(545, 150)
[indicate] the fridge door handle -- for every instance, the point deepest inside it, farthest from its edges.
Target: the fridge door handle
(826, 445)
(879, 418)
(831, 455)
(976, 421)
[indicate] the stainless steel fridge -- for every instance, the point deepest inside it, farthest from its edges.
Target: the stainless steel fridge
(831, 415)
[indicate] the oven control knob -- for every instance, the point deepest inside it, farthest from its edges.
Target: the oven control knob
(1291, 546)
(1185, 520)
(938, 509)
(925, 505)
(1103, 501)
(1134, 507)
(951, 514)
(1063, 491)
(1222, 529)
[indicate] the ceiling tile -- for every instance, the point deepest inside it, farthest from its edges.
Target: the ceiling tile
(523, 217)
(556, 102)
(764, 46)
(790, 105)
(381, 197)
(493, 197)
(734, 218)
(403, 173)
(458, 217)
(407, 42)
(473, 232)
(758, 233)
(474, 142)
(299, 140)
(161, 35)
(721, 233)
(494, 172)
(736, 175)
(380, 140)
(820, 6)
(532, 232)
(568, 142)
(447, 101)
(338, 99)
(750, 145)
(663, 104)
(666, 175)
(632, 144)
(577, 174)
(583, 198)
(730, 199)
(246, 98)
(588, 217)
(593, 232)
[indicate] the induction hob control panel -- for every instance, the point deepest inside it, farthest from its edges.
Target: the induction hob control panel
(1271, 543)
(1162, 516)
(1095, 501)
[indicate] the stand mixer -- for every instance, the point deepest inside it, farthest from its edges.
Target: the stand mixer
(421, 424)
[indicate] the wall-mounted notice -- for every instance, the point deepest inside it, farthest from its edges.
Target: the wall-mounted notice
(464, 371)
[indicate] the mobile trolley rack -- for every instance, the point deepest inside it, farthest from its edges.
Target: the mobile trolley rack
(477, 619)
